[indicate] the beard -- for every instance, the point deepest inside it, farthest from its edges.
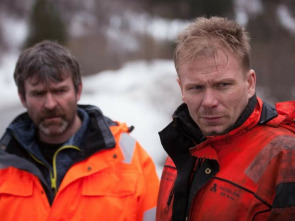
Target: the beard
(53, 122)
(53, 129)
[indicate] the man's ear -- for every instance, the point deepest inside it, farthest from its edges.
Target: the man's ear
(251, 82)
(22, 99)
(179, 83)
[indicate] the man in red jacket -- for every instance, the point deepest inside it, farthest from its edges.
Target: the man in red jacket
(64, 161)
(231, 155)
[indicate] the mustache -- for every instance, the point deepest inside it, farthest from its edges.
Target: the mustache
(51, 113)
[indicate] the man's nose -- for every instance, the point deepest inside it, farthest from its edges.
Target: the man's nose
(50, 101)
(210, 99)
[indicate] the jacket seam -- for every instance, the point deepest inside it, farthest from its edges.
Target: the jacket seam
(263, 211)
(245, 189)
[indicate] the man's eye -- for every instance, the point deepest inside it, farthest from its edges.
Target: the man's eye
(61, 91)
(198, 87)
(37, 94)
(223, 85)
(195, 88)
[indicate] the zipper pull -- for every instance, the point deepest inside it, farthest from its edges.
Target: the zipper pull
(53, 184)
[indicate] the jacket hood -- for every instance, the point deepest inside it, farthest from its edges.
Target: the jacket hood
(286, 116)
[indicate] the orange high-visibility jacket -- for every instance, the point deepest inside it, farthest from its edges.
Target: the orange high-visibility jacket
(246, 174)
(117, 183)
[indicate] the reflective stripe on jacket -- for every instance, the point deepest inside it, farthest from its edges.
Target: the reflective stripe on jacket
(113, 184)
(247, 174)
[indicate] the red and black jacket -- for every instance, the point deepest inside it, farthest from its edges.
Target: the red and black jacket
(246, 174)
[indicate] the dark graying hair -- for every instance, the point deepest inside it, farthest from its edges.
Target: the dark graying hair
(46, 61)
(205, 36)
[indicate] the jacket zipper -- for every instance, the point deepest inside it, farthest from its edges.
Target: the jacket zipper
(53, 172)
(54, 175)
(44, 164)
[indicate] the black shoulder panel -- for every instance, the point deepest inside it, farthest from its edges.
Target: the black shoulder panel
(268, 112)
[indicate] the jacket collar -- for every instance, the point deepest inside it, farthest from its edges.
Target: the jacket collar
(183, 134)
(245, 114)
(285, 116)
(98, 135)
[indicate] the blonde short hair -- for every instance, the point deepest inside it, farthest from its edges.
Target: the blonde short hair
(205, 36)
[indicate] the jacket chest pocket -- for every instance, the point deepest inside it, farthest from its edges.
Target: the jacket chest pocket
(110, 196)
(19, 194)
(109, 184)
(16, 183)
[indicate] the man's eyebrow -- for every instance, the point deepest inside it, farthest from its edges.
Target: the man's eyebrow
(224, 79)
(36, 91)
(60, 86)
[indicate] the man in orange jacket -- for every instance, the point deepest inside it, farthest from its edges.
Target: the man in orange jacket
(231, 155)
(64, 161)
